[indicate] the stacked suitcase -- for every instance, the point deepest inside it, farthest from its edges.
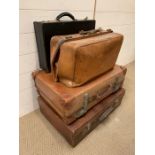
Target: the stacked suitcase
(75, 112)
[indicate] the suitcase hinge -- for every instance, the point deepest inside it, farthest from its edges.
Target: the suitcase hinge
(84, 108)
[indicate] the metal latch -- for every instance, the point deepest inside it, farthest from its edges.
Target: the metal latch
(84, 108)
(106, 113)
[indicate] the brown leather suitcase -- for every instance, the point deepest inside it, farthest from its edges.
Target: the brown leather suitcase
(72, 103)
(79, 58)
(44, 30)
(76, 131)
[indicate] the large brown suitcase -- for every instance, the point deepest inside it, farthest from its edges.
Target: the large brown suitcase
(76, 131)
(79, 58)
(72, 103)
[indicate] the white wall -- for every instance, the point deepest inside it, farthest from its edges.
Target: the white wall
(119, 16)
(115, 14)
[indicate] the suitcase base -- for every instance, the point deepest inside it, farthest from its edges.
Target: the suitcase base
(76, 131)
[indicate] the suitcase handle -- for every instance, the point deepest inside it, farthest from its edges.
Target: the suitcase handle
(94, 31)
(65, 14)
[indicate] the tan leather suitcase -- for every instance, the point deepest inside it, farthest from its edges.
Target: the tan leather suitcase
(79, 58)
(76, 131)
(72, 103)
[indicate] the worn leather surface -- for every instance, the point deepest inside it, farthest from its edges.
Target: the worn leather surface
(67, 101)
(75, 132)
(114, 136)
(83, 57)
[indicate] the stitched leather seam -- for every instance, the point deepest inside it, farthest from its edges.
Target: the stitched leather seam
(75, 64)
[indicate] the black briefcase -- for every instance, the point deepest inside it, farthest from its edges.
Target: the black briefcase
(44, 30)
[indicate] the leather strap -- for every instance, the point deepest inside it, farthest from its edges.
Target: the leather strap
(53, 61)
(83, 35)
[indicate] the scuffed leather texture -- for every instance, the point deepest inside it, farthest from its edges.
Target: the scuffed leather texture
(68, 101)
(76, 131)
(81, 58)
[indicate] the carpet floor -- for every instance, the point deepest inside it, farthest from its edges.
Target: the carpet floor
(114, 136)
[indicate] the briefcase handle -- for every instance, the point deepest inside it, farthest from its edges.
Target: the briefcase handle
(65, 14)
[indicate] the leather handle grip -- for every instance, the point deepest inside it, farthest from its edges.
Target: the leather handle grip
(94, 31)
(65, 14)
(82, 32)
